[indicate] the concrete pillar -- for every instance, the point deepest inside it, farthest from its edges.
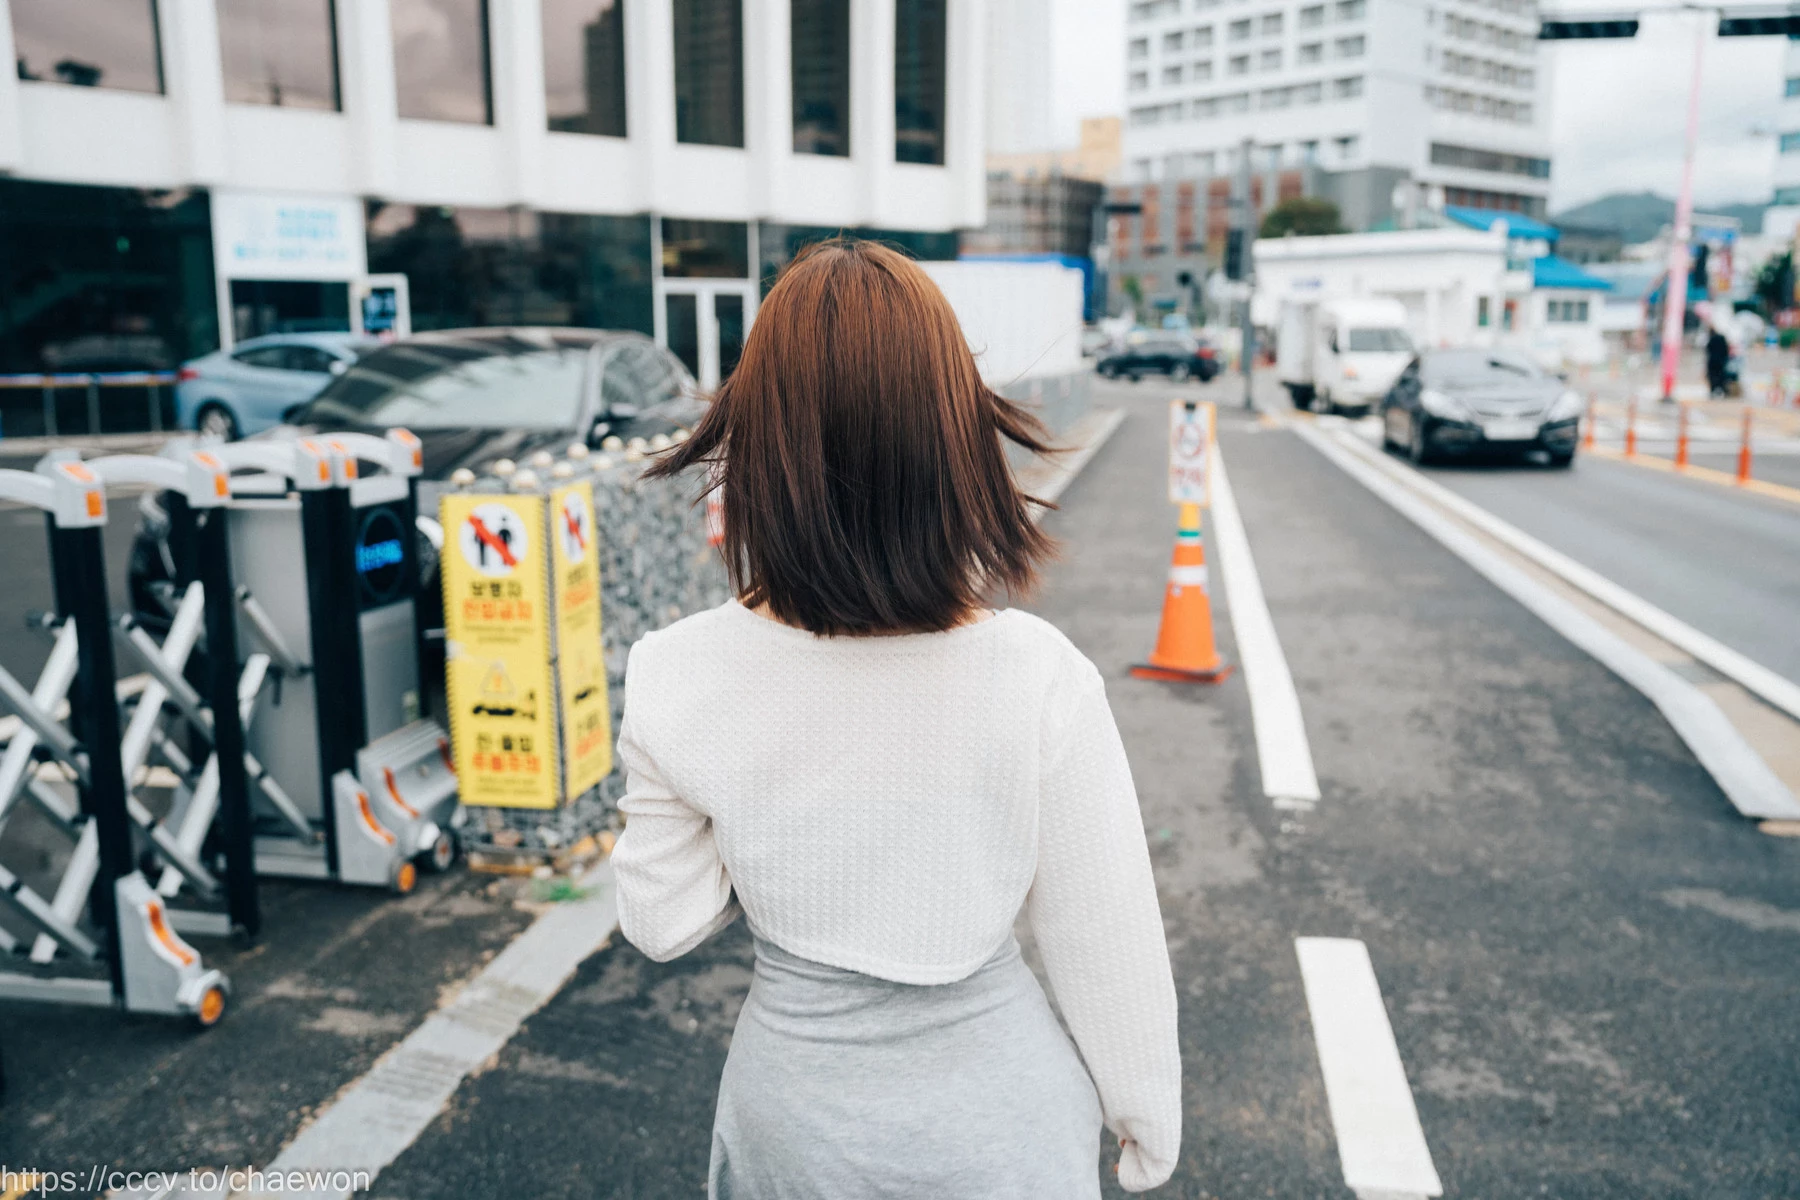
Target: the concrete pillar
(768, 101)
(516, 40)
(366, 76)
(195, 82)
(12, 149)
(965, 108)
(650, 92)
(872, 104)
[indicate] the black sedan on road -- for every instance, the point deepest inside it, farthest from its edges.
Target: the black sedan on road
(1466, 403)
(1176, 357)
(472, 396)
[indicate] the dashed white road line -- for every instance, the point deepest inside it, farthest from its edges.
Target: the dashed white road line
(1380, 1141)
(1282, 751)
(1753, 789)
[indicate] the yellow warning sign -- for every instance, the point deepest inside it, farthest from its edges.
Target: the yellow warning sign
(497, 629)
(580, 665)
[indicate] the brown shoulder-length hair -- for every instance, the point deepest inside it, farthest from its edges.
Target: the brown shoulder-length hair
(859, 457)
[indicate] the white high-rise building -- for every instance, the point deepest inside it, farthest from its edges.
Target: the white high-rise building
(1372, 92)
(1020, 96)
(1782, 218)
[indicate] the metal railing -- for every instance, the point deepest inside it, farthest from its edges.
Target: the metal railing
(91, 385)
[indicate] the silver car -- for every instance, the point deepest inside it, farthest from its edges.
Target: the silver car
(233, 393)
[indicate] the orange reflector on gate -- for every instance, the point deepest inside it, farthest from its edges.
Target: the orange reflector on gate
(368, 816)
(96, 504)
(393, 791)
(159, 929)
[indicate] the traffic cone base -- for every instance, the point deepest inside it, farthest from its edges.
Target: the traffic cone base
(1172, 675)
(1185, 652)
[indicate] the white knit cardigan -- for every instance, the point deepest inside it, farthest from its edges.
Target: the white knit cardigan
(886, 805)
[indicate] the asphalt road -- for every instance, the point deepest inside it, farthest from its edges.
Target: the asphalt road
(1725, 561)
(1587, 959)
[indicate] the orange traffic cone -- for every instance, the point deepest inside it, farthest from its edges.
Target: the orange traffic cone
(1185, 652)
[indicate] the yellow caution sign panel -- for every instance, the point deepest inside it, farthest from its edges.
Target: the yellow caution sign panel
(497, 628)
(580, 666)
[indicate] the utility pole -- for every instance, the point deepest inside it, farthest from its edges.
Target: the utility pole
(1675, 295)
(1246, 211)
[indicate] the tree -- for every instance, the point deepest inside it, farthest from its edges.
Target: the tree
(1302, 215)
(1775, 284)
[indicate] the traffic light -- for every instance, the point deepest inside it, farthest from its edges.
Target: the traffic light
(1552, 29)
(1758, 23)
(1234, 254)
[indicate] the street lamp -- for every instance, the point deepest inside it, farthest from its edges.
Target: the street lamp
(1751, 21)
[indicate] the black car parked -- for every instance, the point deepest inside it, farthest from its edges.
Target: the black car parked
(1177, 357)
(1464, 403)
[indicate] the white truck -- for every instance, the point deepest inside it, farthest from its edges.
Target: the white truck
(1341, 354)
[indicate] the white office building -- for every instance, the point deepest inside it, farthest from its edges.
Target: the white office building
(1781, 220)
(1448, 95)
(180, 174)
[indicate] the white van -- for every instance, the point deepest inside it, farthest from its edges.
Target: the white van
(1341, 354)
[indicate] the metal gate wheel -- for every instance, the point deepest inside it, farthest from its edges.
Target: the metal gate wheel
(406, 877)
(211, 1007)
(442, 852)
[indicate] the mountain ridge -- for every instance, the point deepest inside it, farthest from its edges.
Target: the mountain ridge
(1640, 216)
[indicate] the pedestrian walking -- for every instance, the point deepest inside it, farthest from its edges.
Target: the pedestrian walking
(1718, 363)
(880, 773)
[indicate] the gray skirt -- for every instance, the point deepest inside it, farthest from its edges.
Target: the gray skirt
(841, 1086)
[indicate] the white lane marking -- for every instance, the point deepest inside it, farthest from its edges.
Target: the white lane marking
(376, 1118)
(1380, 1141)
(1753, 789)
(1749, 674)
(1282, 751)
(1070, 464)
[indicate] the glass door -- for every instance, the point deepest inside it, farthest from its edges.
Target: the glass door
(704, 323)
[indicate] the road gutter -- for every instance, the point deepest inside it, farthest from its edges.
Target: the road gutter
(1648, 663)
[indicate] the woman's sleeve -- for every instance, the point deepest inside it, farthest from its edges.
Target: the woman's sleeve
(673, 890)
(1094, 913)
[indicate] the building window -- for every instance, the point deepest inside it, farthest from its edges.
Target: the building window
(1238, 65)
(1351, 10)
(1787, 195)
(1311, 93)
(1347, 89)
(441, 60)
(1144, 10)
(1309, 152)
(1275, 98)
(1347, 148)
(1139, 48)
(93, 43)
(1790, 143)
(1172, 74)
(1349, 47)
(1206, 162)
(1173, 41)
(1200, 72)
(279, 52)
(1483, 314)
(919, 30)
(510, 266)
(821, 53)
(1203, 37)
(1312, 52)
(1489, 160)
(1270, 61)
(1793, 87)
(1238, 30)
(709, 72)
(1567, 312)
(1313, 17)
(1138, 81)
(705, 249)
(1271, 24)
(584, 66)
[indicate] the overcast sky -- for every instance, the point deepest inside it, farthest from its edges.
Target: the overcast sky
(1619, 106)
